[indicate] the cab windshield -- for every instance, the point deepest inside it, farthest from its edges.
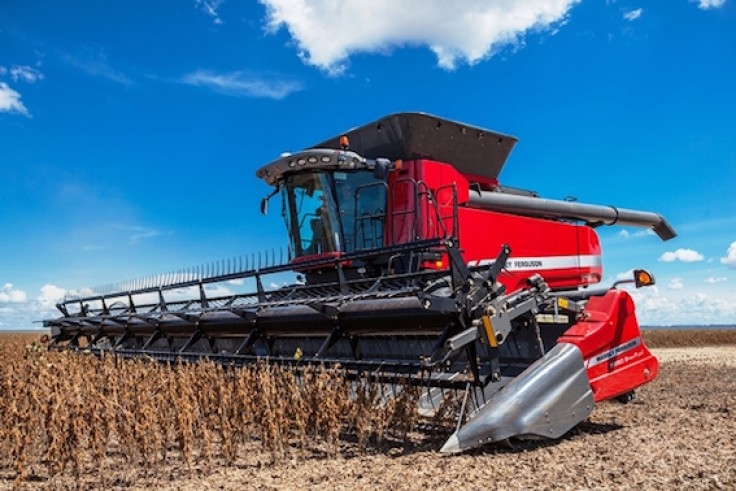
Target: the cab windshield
(333, 211)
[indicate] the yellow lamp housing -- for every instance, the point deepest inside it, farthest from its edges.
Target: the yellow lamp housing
(643, 277)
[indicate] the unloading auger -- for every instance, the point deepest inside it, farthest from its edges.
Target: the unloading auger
(415, 265)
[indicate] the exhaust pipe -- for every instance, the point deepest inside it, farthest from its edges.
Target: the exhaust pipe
(548, 208)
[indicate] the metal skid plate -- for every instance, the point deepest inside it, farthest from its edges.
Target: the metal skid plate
(547, 399)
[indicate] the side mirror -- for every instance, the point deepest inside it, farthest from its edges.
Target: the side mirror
(264, 201)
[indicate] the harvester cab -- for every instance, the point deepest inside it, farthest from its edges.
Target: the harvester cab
(420, 269)
(333, 202)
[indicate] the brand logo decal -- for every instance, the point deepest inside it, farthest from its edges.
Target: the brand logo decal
(613, 352)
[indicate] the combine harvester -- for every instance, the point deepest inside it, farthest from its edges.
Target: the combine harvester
(416, 266)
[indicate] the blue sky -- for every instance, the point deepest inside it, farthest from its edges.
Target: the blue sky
(130, 131)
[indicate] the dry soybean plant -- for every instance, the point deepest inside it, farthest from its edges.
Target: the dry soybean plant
(76, 413)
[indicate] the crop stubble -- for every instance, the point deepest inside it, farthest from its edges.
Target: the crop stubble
(69, 420)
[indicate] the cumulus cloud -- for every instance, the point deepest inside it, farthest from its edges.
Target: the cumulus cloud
(327, 33)
(730, 259)
(10, 101)
(633, 14)
(50, 295)
(241, 84)
(684, 255)
(18, 311)
(8, 294)
(625, 234)
(708, 4)
(712, 280)
(656, 309)
(676, 284)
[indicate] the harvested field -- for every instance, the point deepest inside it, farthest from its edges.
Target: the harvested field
(680, 432)
(682, 338)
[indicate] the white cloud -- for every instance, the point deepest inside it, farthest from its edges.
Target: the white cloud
(10, 101)
(17, 311)
(8, 294)
(26, 74)
(626, 275)
(215, 290)
(50, 295)
(676, 284)
(143, 233)
(708, 4)
(240, 84)
(210, 8)
(327, 33)
(712, 280)
(625, 234)
(135, 234)
(633, 14)
(730, 259)
(684, 255)
(656, 309)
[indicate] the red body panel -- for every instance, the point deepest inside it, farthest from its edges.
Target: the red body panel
(609, 338)
(413, 215)
(565, 254)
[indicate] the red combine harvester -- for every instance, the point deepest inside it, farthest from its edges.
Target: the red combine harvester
(414, 264)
